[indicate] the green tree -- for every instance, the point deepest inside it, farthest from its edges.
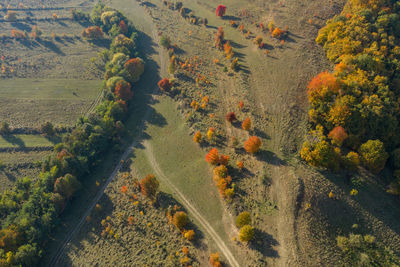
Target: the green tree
(4, 128)
(373, 155)
(243, 219)
(149, 186)
(180, 219)
(66, 185)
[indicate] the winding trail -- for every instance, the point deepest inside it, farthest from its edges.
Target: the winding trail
(204, 223)
(159, 61)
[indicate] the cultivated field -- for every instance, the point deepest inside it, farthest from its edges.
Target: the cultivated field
(47, 79)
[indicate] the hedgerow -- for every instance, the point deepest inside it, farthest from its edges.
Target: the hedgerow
(30, 211)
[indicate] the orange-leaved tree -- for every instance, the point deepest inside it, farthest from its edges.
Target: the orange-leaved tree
(338, 135)
(149, 186)
(246, 124)
(252, 145)
(197, 137)
(230, 116)
(123, 90)
(164, 85)
(212, 157)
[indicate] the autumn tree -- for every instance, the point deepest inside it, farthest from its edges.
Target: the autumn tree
(338, 135)
(231, 116)
(214, 260)
(220, 11)
(243, 219)
(246, 233)
(189, 235)
(219, 38)
(134, 68)
(66, 185)
(374, 155)
(93, 32)
(123, 90)
(210, 133)
(149, 186)
(180, 220)
(252, 145)
(223, 159)
(164, 85)
(213, 157)
(197, 137)
(246, 124)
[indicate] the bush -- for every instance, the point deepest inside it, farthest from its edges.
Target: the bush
(93, 32)
(164, 85)
(165, 42)
(47, 129)
(252, 145)
(231, 116)
(213, 157)
(246, 124)
(243, 219)
(149, 186)
(189, 235)
(373, 155)
(4, 128)
(180, 220)
(246, 233)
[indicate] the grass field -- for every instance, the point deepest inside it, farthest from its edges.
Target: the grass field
(24, 141)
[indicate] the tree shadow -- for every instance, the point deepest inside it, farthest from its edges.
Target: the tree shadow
(147, 4)
(230, 17)
(54, 139)
(342, 216)
(270, 157)
(14, 140)
(51, 45)
(21, 26)
(263, 243)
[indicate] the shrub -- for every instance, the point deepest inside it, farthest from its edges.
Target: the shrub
(352, 161)
(4, 128)
(47, 129)
(123, 90)
(165, 42)
(277, 33)
(252, 145)
(243, 219)
(212, 157)
(246, 233)
(189, 235)
(210, 133)
(214, 259)
(219, 38)
(164, 85)
(373, 155)
(149, 186)
(93, 32)
(230, 116)
(197, 137)
(223, 160)
(180, 220)
(36, 32)
(246, 124)
(221, 171)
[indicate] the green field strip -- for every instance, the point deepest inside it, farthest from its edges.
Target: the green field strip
(24, 140)
(59, 89)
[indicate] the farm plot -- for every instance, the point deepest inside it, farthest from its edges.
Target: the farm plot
(48, 75)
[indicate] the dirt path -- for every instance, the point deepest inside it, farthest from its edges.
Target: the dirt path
(158, 63)
(204, 223)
